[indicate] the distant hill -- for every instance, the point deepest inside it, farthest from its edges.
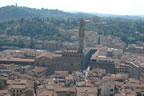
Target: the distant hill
(17, 12)
(14, 12)
(47, 24)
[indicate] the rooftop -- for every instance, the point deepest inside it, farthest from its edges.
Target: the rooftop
(86, 89)
(18, 86)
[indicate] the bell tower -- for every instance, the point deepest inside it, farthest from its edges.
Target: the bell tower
(81, 36)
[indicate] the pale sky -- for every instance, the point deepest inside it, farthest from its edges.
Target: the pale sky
(123, 7)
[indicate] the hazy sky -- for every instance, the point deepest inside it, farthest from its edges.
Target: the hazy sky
(124, 7)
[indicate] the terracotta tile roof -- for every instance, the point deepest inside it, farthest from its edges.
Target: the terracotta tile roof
(69, 77)
(18, 86)
(15, 60)
(86, 89)
(46, 54)
(64, 89)
(39, 69)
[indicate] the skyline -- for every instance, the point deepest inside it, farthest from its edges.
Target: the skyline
(118, 7)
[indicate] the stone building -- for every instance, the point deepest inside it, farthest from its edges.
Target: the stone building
(122, 68)
(67, 60)
(99, 59)
(17, 87)
(107, 89)
(86, 91)
(134, 71)
(17, 90)
(38, 72)
(65, 91)
(18, 61)
(103, 63)
(44, 59)
(135, 49)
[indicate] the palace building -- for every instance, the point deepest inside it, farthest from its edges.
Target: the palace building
(67, 60)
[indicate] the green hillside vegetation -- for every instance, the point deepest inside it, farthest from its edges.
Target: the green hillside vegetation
(44, 24)
(129, 30)
(38, 28)
(16, 12)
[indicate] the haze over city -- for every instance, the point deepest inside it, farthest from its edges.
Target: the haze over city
(121, 7)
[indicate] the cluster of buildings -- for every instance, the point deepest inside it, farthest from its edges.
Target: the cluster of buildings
(27, 42)
(101, 71)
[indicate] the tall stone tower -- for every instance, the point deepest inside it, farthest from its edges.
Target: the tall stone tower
(81, 36)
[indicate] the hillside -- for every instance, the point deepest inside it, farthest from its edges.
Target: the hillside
(46, 24)
(14, 12)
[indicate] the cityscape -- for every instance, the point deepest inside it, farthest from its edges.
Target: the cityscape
(70, 54)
